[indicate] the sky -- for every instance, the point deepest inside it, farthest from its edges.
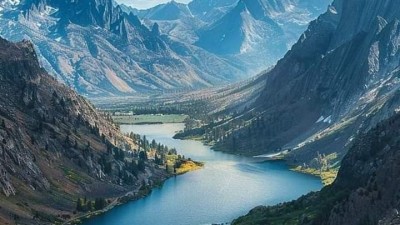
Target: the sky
(145, 4)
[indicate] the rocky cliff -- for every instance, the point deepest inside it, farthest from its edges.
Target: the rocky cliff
(55, 147)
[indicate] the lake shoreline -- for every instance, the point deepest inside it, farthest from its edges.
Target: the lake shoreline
(213, 185)
(134, 195)
(120, 200)
(326, 178)
(148, 119)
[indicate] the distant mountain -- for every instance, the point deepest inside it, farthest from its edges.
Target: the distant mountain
(174, 19)
(55, 147)
(99, 49)
(338, 80)
(252, 33)
(259, 32)
(168, 11)
(211, 10)
(364, 193)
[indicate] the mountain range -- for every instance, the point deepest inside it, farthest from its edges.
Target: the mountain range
(100, 50)
(254, 33)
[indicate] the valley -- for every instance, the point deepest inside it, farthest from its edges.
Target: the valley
(248, 112)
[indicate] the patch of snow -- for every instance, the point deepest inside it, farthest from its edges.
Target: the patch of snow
(320, 119)
(328, 119)
(58, 39)
(332, 10)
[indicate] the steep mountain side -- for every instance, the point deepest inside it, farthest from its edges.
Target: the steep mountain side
(259, 32)
(365, 192)
(99, 49)
(340, 78)
(55, 147)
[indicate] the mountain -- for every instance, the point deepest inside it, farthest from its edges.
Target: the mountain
(211, 10)
(169, 11)
(100, 50)
(259, 32)
(365, 192)
(55, 147)
(174, 19)
(338, 80)
(253, 34)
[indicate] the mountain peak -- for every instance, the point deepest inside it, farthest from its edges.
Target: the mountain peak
(169, 11)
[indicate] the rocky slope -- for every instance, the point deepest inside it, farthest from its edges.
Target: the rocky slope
(55, 147)
(339, 79)
(99, 49)
(366, 190)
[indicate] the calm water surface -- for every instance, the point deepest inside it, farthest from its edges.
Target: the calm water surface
(227, 187)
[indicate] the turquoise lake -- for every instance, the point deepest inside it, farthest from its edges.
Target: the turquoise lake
(227, 187)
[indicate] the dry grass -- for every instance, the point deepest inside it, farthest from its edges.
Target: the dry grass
(327, 176)
(188, 166)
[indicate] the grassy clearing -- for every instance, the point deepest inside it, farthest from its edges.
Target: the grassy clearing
(150, 119)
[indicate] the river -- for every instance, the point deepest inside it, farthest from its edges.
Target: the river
(227, 187)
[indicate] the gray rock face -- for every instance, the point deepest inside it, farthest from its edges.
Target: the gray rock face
(99, 49)
(370, 172)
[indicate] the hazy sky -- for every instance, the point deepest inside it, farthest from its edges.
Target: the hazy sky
(144, 4)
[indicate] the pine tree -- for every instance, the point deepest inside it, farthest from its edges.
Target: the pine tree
(67, 140)
(79, 207)
(99, 203)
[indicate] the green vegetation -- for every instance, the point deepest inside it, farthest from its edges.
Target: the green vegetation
(149, 119)
(84, 205)
(312, 207)
(162, 156)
